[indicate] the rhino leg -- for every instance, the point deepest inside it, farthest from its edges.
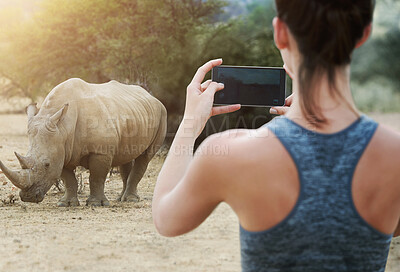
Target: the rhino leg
(135, 175)
(125, 170)
(141, 163)
(99, 167)
(70, 197)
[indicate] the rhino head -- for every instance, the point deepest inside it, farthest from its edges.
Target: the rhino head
(45, 159)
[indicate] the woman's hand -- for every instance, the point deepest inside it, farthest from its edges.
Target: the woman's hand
(284, 109)
(200, 98)
(288, 100)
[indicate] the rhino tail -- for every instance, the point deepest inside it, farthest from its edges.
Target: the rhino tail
(160, 135)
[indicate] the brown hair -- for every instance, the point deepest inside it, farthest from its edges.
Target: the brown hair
(326, 32)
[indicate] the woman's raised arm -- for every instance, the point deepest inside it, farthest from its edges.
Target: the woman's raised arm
(185, 194)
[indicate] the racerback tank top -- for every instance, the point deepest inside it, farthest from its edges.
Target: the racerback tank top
(323, 232)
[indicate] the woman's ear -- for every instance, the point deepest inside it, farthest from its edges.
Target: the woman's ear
(280, 33)
(366, 34)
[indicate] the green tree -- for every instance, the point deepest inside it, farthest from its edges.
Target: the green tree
(378, 58)
(155, 43)
(148, 42)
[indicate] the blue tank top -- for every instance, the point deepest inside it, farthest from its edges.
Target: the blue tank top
(324, 232)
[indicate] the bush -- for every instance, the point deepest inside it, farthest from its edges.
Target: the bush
(376, 96)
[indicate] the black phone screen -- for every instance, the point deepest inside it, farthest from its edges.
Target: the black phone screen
(250, 86)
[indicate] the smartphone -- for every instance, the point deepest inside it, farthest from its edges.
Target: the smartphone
(250, 86)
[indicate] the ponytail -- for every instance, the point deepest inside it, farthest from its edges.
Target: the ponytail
(326, 32)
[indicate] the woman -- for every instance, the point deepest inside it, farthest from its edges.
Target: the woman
(317, 189)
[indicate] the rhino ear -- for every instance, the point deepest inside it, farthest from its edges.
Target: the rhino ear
(57, 117)
(31, 110)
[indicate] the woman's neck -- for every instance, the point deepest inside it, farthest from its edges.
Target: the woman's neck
(337, 106)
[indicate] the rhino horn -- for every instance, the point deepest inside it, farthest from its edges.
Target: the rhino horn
(19, 178)
(25, 162)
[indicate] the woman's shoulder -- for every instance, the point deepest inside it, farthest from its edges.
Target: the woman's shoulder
(383, 155)
(387, 139)
(244, 146)
(242, 137)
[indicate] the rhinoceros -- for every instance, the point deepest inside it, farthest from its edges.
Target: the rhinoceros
(97, 126)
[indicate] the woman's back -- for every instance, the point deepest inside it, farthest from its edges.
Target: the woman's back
(316, 226)
(312, 180)
(305, 201)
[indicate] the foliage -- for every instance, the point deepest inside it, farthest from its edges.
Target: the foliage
(378, 58)
(155, 43)
(131, 41)
(158, 44)
(378, 95)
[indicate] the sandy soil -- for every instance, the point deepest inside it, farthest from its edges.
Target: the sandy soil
(41, 237)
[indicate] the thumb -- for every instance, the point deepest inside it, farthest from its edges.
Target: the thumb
(279, 110)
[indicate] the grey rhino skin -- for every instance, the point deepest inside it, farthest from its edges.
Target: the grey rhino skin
(97, 126)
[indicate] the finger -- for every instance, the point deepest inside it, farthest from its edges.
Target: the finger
(205, 85)
(213, 88)
(279, 110)
(203, 70)
(289, 100)
(288, 71)
(225, 109)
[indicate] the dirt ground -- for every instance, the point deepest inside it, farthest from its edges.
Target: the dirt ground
(42, 237)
